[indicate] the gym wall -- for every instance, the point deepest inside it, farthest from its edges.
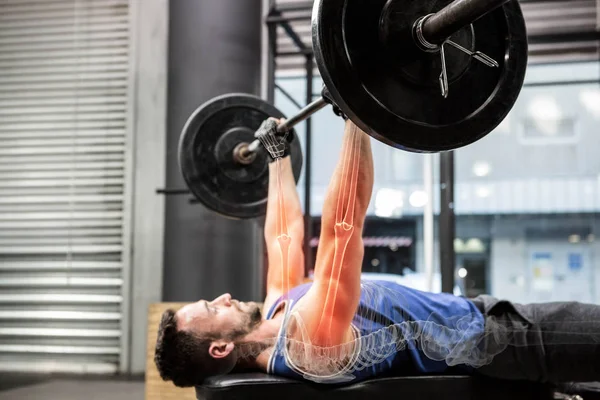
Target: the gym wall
(65, 149)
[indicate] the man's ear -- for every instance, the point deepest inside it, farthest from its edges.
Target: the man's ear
(220, 349)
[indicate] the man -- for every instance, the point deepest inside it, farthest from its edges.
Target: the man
(339, 329)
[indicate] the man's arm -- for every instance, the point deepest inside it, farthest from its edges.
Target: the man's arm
(284, 215)
(335, 294)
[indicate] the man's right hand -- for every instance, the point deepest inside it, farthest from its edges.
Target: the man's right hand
(276, 143)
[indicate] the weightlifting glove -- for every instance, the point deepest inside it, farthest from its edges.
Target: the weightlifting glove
(274, 142)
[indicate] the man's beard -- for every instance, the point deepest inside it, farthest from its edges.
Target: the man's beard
(252, 319)
(245, 349)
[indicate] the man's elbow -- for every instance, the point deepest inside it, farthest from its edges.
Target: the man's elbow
(296, 230)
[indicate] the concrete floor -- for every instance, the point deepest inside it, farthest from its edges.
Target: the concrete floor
(73, 389)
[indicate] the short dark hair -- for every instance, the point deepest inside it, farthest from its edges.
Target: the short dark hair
(184, 358)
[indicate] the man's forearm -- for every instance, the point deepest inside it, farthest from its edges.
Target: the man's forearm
(291, 200)
(284, 217)
(347, 201)
(340, 188)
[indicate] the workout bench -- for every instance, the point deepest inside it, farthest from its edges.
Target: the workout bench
(261, 386)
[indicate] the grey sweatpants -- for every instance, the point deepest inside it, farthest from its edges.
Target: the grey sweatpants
(549, 342)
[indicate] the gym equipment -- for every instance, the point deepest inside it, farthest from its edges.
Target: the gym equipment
(418, 75)
(384, 64)
(450, 387)
(215, 161)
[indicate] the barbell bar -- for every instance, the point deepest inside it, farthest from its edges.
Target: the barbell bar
(288, 124)
(458, 14)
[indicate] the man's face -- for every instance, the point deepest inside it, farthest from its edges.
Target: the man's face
(222, 317)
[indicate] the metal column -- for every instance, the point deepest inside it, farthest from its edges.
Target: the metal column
(198, 261)
(447, 223)
(272, 49)
(308, 169)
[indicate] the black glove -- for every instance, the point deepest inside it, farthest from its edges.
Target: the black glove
(279, 145)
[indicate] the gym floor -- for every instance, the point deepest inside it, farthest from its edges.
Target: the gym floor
(43, 387)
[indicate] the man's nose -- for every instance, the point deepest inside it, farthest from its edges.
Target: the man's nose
(224, 299)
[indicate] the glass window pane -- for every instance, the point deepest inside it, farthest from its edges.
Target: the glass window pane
(527, 196)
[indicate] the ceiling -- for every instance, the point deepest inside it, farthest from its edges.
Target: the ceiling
(558, 31)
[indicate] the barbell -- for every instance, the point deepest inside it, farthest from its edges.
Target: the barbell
(418, 75)
(214, 159)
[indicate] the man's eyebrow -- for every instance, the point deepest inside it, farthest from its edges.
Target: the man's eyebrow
(206, 305)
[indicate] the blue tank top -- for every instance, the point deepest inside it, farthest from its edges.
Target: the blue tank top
(444, 317)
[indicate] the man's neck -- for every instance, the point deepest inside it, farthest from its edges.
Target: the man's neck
(262, 339)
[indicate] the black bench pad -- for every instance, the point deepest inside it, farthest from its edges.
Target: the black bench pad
(259, 386)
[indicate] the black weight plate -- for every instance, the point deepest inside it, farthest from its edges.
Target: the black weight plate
(389, 88)
(206, 158)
